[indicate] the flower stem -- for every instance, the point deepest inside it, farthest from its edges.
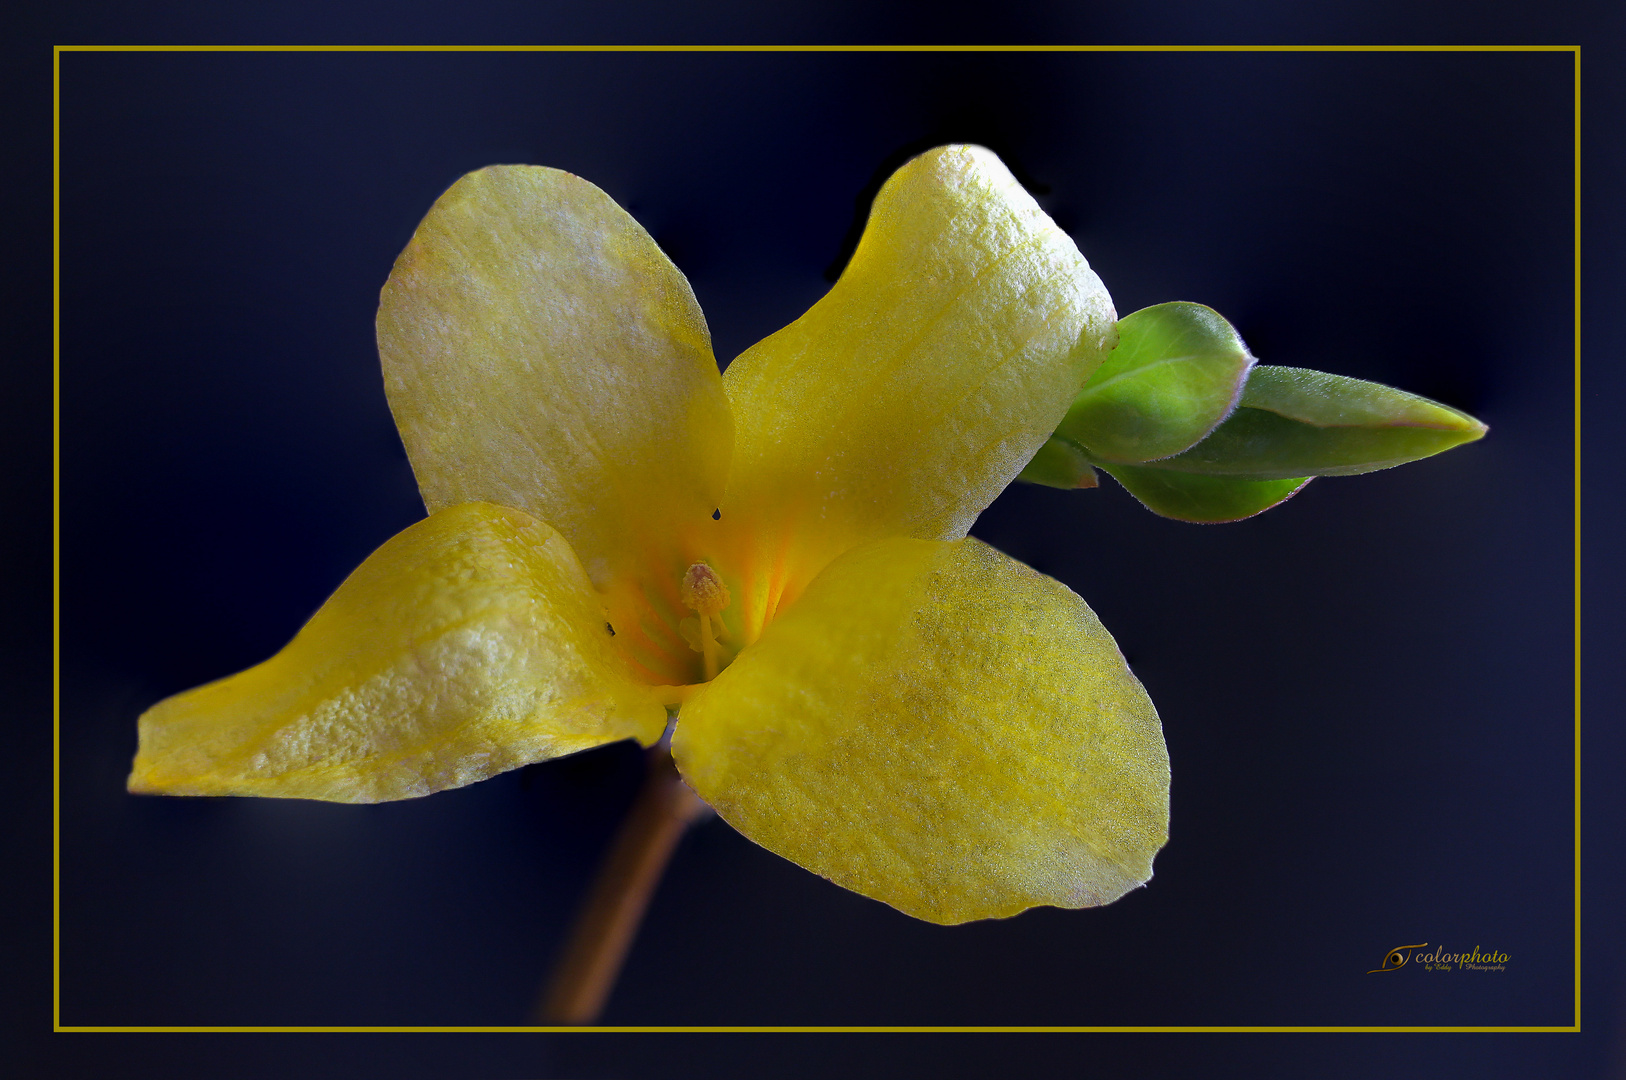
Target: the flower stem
(614, 907)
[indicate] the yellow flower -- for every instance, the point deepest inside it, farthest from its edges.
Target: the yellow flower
(776, 555)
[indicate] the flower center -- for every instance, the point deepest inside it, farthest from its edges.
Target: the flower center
(704, 593)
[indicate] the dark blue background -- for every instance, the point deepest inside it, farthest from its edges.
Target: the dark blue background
(1366, 692)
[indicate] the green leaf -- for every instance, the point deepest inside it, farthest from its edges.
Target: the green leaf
(1059, 464)
(1207, 499)
(1174, 375)
(1293, 422)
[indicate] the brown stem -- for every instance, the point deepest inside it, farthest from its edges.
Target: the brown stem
(609, 917)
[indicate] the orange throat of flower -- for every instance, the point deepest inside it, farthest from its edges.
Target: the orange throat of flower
(703, 593)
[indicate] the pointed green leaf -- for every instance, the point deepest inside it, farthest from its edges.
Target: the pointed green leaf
(1294, 422)
(1207, 499)
(1174, 375)
(1059, 464)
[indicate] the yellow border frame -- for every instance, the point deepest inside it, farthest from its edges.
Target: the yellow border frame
(56, 583)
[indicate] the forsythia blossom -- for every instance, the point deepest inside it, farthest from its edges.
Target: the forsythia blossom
(777, 556)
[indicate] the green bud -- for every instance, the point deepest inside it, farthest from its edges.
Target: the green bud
(1175, 374)
(1059, 464)
(1293, 422)
(1207, 499)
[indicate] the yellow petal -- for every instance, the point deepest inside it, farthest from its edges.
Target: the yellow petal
(540, 351)
(909, 396)
(939, 727)
(469, 644)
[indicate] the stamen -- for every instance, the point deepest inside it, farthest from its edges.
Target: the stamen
(704, 592)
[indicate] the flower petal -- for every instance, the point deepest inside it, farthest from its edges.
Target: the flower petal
(941, 728)
(469, 644)
(540, 351)
(909, 396)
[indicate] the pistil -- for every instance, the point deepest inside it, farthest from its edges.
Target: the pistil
(704, 593)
